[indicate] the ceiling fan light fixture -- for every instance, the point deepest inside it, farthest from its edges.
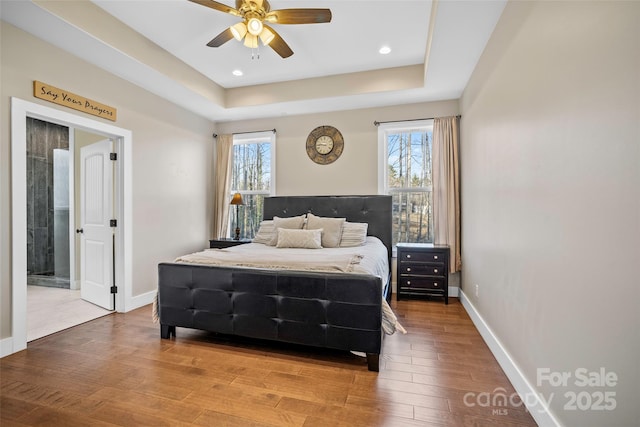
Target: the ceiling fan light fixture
(267, 36)
(254, 15)
(254, 26)
(251, 41)
(238, 30)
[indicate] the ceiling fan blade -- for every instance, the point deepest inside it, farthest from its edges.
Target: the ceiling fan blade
(298, 16)
(279, 45)
(221, 38)
(217, 6)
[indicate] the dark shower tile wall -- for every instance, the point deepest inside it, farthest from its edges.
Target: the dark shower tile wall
(42, 138)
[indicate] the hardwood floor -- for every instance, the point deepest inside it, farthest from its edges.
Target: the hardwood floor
(116, 370)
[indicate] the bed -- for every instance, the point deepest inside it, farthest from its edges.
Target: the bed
(344, 309)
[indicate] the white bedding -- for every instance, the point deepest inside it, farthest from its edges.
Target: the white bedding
(370, 258)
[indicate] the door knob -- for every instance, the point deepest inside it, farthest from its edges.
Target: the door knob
(79, 230)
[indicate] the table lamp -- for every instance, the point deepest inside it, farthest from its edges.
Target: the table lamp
(237, 200)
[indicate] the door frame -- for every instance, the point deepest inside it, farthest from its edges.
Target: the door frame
(20, 110)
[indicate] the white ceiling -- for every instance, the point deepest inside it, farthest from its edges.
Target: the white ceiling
(160, 45)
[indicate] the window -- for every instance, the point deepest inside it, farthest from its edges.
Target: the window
(405, 173)
(253, 177)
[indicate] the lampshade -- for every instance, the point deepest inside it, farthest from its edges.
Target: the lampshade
(266, 36)
(237, 199)
(254, 26)
(251, 41)
(238, 30)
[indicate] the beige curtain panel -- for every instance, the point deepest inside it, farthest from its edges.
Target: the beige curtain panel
(446, 187)
(222, 179)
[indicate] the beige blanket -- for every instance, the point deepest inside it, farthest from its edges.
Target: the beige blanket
(311, 260)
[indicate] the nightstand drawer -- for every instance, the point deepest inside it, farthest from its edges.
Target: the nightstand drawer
(422, 283)
(422, 269)
(414, 256)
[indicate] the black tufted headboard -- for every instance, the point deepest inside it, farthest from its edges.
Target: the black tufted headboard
(374, 210)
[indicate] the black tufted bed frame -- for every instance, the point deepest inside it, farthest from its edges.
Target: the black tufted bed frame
(331, 310)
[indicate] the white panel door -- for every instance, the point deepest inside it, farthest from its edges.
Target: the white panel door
(96, 210)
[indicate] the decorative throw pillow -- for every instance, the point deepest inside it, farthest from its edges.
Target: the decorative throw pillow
(293, 238)
(332, 229)
(353, 234)
(294, 222)
(265, 233)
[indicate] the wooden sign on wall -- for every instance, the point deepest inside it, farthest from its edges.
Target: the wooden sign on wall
(71, 100)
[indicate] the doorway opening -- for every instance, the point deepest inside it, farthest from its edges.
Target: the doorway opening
(54, 297)
(21, 111)
(48, 187)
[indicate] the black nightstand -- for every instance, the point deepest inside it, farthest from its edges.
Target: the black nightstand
(226, 243)
(423, 270)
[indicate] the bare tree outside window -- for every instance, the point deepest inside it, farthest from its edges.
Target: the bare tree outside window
(251, 177)
(409, 176)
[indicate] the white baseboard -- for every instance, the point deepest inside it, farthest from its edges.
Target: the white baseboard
(140, 300)
(6, 347)
(535, 405)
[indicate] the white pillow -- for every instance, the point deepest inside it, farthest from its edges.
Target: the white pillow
(293, 238)
(265, 233)
(353, 234)
(332, 229)
(294, 222)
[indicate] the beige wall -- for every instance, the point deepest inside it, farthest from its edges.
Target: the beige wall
(551, 195)
(356, 171)
(172, 151)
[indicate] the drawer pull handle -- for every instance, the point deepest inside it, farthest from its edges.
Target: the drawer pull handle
(435, 270)
(408, 255)
(435, 284)
(408, 282)
(408, 269)
(435, 257)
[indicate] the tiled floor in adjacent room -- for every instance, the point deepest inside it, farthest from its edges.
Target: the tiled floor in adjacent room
(50, 310)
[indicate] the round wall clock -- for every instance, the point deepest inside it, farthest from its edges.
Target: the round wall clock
(324, 145)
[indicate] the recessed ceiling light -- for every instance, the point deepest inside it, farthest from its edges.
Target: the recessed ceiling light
(385, 50)
(237, 73)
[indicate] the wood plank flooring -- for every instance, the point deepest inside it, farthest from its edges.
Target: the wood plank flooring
(117, 371)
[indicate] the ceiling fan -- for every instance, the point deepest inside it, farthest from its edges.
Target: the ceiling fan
(256, 14)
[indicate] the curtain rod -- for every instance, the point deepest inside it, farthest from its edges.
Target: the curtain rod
(376, 123)
(215, 135)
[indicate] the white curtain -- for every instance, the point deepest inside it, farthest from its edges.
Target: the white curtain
(446, 187)
(222, 179)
